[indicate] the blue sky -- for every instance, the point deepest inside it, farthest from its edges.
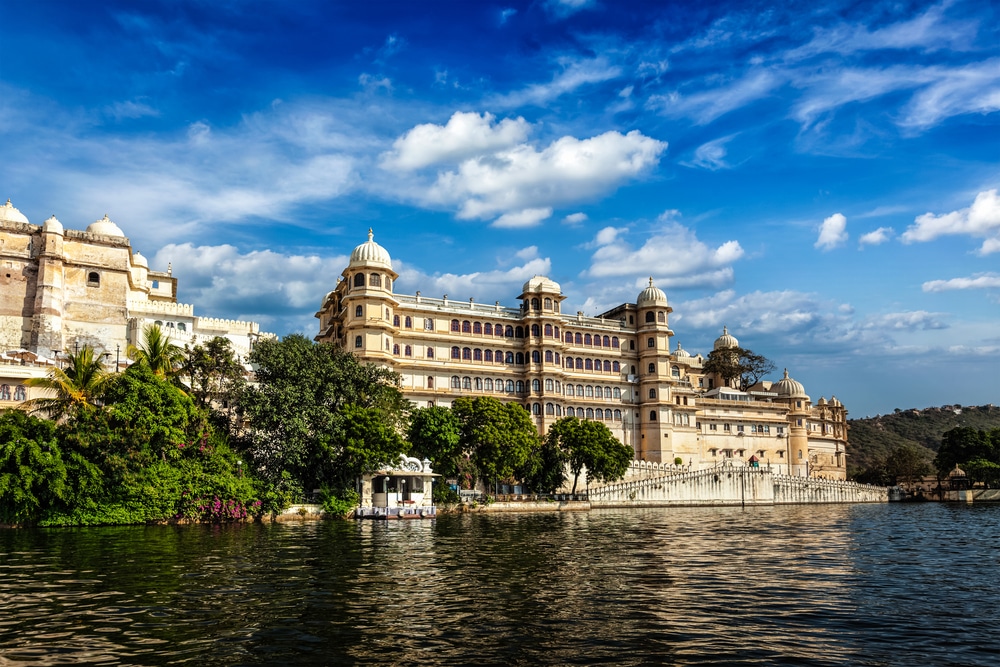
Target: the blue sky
(822, 178)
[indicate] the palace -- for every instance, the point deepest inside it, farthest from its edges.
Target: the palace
(62, 289)
(619, 368)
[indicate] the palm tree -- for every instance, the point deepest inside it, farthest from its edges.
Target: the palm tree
(156, 351)
(78, 387)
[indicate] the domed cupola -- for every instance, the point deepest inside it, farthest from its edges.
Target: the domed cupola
(105, 227)
(52, 226)
(139, 260)
(651, 296)
(789, 388)
(726, 340)
(370, 255)
(10, 214)
(680, 352)
(540, 284)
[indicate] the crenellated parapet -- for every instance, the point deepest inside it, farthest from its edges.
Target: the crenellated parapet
(160, 308)
(232, 326)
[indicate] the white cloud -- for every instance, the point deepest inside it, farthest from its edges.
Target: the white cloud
(483, 286)
(375, 82)
(575, 74)
(563, 8)
(529, 217)
(575, 218)
(981, 220)
(567, 171)
(506, 14)
(465, 135)
(704, 107)
(129, 109)
(959, 90)
(672, 254)
(908, 321)
(876, 237)
(978, 281)
(712, 155)
(832, 233)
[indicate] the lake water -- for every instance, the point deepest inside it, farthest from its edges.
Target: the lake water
(793, 585)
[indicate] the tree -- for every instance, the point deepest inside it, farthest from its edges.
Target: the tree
(907, 465)
(963, 444)
(434, 435)
(590, 445)
(545, 469)
(738, 364)
(297, 410)
(32, 473)
(77, 388)
(212, 371)
(157, 352)
(499, 437)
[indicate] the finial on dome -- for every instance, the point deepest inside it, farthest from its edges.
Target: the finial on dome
(8, 201)
(651, 281)
(786, 373)
(371, 234)
(725, 330)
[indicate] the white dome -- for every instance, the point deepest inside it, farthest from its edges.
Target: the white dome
(726, 340)
(10, 214)
(105, 227)
(541, 284)
(680, 352)
(789, 388)
(371, 254)
(652, 295)
(139, 260)
(52, 226)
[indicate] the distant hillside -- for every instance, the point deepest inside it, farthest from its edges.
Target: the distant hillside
(872, 438)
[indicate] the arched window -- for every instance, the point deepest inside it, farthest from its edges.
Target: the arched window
(570, 391)
(661, 317)
(498, 356)
(374, 280)
(557, 359)
(548, 356)
(488, 382)
(650, 342)
(519, 332)
(614, 342)
(509, 358)
(548, 330)
(589, 365)
(549, 408)
(408, 351)
(579, 363)
(617, 393)
(466, 326)
(631, 345)
(357, 341)
(500, 384)
(558, 386)
(650, 316)
(456, 326)
(548, 303)
(520, 386)
(569, 337)
(488, 329)
(498, 330)
(536, 408)
(556, 332)
(548, 385)
(456, 353)
(590, 413)
(479, 384)
(587, 340)
(535, 304)
(579, 339)
(429, 324)
(456, 382)
(607, 392)
(652, 368)
(387, 313)
(430, 353)
(467, 353)
(597, 341)
(430, 381)
(395, 320)
(388, 284)
(477, 328)
(652, 415)
(590, 391)
(466, 383)
(570, 412)
(19, 393)
(618, 415)
(675, 372)
(510, 386)
(652, 393)
(359, 280)
(569, 362)
(536, 385)
(536, 330)
(395, 349)
(607, 366)
(536, 357)
(509, 331)
(599, 414)
(358, 311)
(519, 358)
(477, 354)
(4, 392)
(488, 356)
(616, 367)
(408, 322)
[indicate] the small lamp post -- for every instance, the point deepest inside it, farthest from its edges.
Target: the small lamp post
(118, 354)
(385, 488)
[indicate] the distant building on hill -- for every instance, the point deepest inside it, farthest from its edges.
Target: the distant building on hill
(619, 368)
(62, 289)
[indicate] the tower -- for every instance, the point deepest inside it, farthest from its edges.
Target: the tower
(655, 394)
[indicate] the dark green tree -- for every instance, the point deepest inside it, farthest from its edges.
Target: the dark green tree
(212, 371)
(156, 352)
(545, 470)
(434, 435)
(738, 365)
(76, 388)
(963, 444)
(499, 437)
(906, 465)
(32, 472)
(590, 445)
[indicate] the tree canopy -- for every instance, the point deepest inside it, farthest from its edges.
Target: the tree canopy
(434, 435)
(156, 351)
(590, 445)
(78, 387)
(499, 437)
(738, 365)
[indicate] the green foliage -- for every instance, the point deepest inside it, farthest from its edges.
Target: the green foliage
(738, 364)
(964, 444)
(213, 372)
(546, 468)
(590, 445)
(77, 388)
(499, 437)
(157, 353)
(340, 503)
(443, 494)
(32, 473)
(983, 471)
(434, 434)
(309, 409)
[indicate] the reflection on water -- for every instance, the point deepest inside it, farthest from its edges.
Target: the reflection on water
(826, 585)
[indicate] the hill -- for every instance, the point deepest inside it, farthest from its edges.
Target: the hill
(871, 439)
